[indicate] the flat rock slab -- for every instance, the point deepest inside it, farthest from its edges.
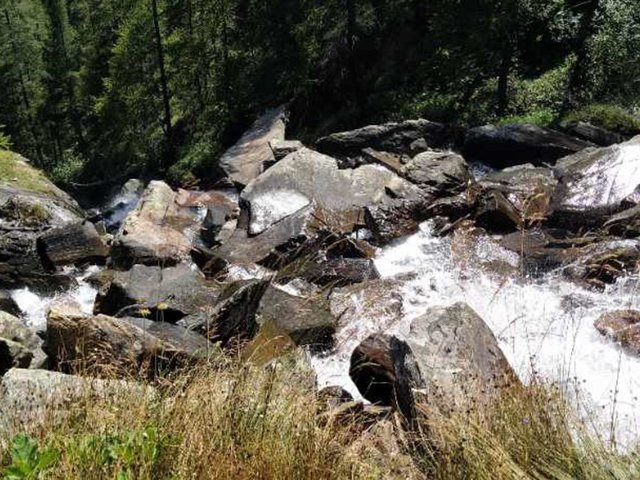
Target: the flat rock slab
(307, 177)
(33, 399)
(519, 144)
(153, 233)
(247, 158)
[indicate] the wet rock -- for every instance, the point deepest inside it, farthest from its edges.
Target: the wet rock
(307, 177)
(168, 294)
(389, 137)
(30, 205)
(8, 304)
(153, 233)
(75, 243)
(518, 144)
(623, 326)
(14, 330)
(336, 271)
(450, 361)
(305, 318)
(121, 202)
(384, 370)
(282, 148)
(446, 173)
(601, 263)
(233, 316)
(247, 158)
(624, 224)
(591, 133)
(529, 189)
(393, 161)
(597, 183)
(13, 355)
(495, 213)
(128, 346)
(31, 399)
(438, 176)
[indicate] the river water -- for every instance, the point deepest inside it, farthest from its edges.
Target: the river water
(544, 326)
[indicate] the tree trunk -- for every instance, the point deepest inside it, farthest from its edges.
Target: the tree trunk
(163, 77)
(503, 79)
(578, 75)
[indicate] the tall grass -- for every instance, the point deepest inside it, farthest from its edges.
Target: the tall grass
(234, 420)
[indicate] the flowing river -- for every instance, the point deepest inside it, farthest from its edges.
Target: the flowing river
(544, 326)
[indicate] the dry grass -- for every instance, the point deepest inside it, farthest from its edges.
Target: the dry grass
(234, 420)
(531, 433)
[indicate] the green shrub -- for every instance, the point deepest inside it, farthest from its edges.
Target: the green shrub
(27, 460)
(5, 140)
(542, 118)
(610, 117)
(68, 169)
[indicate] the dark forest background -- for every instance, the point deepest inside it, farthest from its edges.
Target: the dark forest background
(102, 89)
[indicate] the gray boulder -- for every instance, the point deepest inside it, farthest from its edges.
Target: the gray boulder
(20, 341)
(75, 243)
(247, 158)
(389, 137)
(129, 346)
(153, 233)
(169, 294)
(594, 134)
(519, 144)
(282, 148)
(33, 399)
(450, 360)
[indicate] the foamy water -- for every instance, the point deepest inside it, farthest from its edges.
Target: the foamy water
(34, 307)
(544, 326)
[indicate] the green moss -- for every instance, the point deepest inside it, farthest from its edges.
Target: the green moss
(610, 117)
(17, 174)
(542, 118)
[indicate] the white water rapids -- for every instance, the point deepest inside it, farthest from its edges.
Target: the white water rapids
(544, 326)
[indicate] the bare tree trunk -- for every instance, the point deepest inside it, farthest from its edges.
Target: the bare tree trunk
(163, 76)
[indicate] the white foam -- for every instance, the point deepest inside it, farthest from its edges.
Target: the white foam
(540, 329)
(34, 307)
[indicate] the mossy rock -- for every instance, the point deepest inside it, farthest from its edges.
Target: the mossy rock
(17, 173)
(609, 117)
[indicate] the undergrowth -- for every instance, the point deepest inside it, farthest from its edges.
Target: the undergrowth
(240, 421)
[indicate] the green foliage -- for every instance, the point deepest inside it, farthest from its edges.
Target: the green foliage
(542, 118)
(68, 169)
(610, 117)
(27, 460)
(5, 140)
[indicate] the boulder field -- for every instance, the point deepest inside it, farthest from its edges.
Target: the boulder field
(288, 253)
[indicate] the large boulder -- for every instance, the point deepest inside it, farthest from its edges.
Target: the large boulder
(592, 133)
(307, 177)
(169, 294)
(450, 361)
(305, 316)
(75, 243)
(30, 205)
(128, 346)
(22, 341)
(153, 233)
(247, 158)
(596, 183)
(623, 326)
(518, 144)
(514, 197)
(36, 399)
(389, 137)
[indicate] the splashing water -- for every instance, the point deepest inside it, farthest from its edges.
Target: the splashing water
(34, 307)
(544, 327)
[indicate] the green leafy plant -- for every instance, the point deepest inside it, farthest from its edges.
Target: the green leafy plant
(28, 460)
(5, 140)
(611, 117)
